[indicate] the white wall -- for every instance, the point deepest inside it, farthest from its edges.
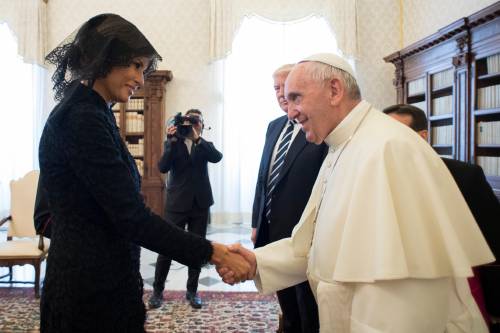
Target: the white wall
(425, 17)
(378, 24)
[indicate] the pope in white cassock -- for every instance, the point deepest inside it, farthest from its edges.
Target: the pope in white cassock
(386, 239)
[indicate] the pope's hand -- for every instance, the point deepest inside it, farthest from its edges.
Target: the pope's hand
(231, 261)
(228, 275)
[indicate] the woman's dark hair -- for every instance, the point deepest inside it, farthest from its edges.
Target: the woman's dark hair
(103, 42)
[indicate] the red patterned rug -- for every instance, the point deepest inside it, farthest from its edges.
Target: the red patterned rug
(221, 312)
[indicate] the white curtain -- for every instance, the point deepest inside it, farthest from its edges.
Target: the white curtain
(249, 103)
(226, 17)
(28, 20)
(22, 115)
(23, 110)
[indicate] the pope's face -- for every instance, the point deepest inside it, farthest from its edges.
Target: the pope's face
(309, 104)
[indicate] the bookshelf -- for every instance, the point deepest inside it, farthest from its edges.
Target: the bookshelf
(416, 93)
(454, 76)
(440, 113)
(433, 93)
(486, 113)
(141, 121)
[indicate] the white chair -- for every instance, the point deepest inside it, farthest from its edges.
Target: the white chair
(23, 246)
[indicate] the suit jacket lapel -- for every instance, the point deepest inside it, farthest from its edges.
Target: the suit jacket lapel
(269, 147)
(297, 145)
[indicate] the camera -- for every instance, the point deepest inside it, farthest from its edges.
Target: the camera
(180, 121)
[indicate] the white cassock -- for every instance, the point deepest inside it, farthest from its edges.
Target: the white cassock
(386, 239)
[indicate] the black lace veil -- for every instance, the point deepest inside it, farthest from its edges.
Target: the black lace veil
(103, 42)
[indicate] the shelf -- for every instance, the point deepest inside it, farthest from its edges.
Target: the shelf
(494, 183)
(488, 76)
(138, 157)
(497, 146)
(444, 91)
(134, 110)
(442, 146)
(488, 81)
(441, 117)
(488, 150)
(484, 112)
(134, 134)
(415, 99)
(417, 95)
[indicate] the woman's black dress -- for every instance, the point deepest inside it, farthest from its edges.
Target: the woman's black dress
(99, 222)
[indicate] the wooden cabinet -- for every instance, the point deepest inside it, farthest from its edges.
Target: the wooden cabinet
(142, 123)
(454, 76)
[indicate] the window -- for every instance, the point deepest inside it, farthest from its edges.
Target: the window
(260, 47)
(18, 115)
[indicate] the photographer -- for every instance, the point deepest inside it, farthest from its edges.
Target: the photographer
(189, 194)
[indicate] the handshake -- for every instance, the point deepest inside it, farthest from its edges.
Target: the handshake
(234, 263)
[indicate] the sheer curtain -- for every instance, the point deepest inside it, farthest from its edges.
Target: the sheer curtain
(21, 114)
(249, 102)
(226, 17)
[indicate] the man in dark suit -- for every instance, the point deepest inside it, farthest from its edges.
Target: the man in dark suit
(288, 170)
(189, 194)
(481, 200)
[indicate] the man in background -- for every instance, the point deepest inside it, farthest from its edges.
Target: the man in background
(189, 194)
(288, 168)
(482, 202)
(386, 240)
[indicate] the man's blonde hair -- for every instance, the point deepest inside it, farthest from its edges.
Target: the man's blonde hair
(283, 69)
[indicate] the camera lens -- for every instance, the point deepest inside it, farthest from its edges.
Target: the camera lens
(184, 130)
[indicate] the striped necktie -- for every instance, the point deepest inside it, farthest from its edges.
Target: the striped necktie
(278, 163)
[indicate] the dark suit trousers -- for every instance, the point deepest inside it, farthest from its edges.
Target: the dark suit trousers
(196, 222)
(297, 303)
(300, 311)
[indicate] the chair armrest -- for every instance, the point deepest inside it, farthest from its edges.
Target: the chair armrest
(5, 219)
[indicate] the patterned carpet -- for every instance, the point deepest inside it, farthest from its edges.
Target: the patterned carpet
(221, 312)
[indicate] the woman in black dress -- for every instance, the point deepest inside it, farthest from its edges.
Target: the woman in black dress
(99, 219)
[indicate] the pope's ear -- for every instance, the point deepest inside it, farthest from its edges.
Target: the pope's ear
(337, 91)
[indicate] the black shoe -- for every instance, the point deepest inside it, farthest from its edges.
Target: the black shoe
(156, 300)
(194, 300)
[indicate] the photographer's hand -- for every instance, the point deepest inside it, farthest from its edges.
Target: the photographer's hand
(195, 135)
(171, 130)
